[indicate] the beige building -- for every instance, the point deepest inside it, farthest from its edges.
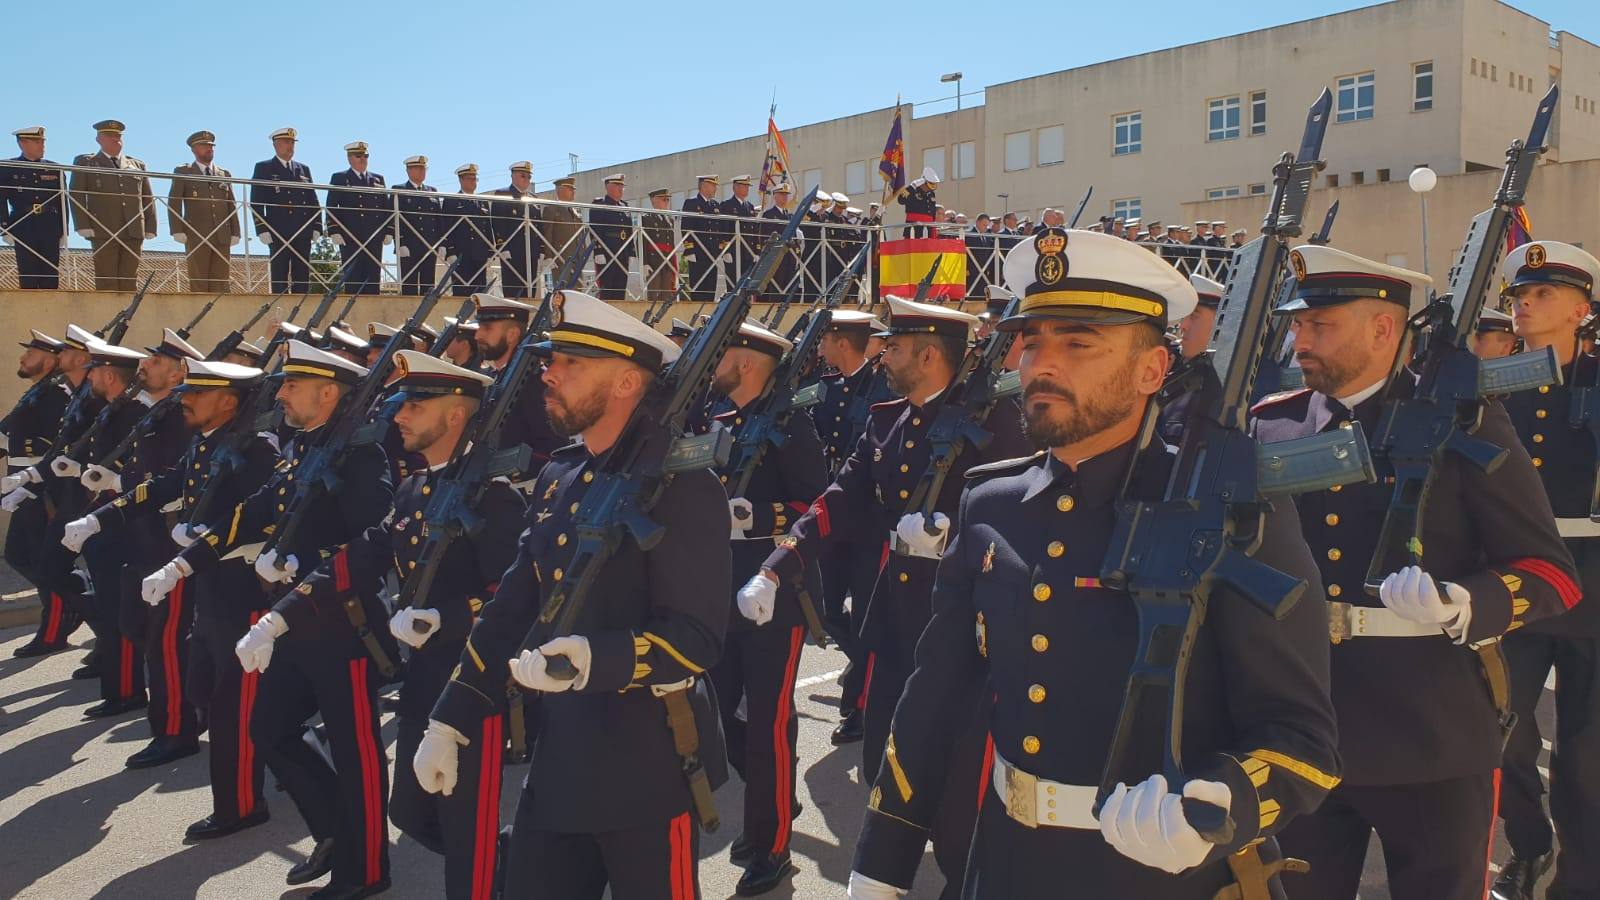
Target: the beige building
(1445, 83)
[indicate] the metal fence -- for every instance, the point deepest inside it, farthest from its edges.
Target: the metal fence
(91, 229)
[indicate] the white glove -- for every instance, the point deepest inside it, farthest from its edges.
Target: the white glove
(265, 236)
(5, 236)
(15, 499)
(529, 667)
(158, 584)
(86, 233)
(100, 478)
(267, 567)
(864, 888)
(149, 235)
(233, 241)
(63, 467)
(743, 517)
(758, 598)
(255, 648)
(436, 760)
(183, 537)
(1414, 596)
(403, 252)
(918, 540)
(11, 482)
(78, 531)
(180, 237)
(338, 240)
(402, 626)
(315, 235)
(1146, 823)
(388, 239)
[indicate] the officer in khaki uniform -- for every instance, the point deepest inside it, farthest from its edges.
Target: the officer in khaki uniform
(561, 224)
(660, 263)
(203, 216)
(115, 211)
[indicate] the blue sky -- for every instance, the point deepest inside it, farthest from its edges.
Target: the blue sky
(494, 81)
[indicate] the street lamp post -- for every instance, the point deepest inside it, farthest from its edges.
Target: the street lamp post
(1006, 199)
(1422, 180)
(955, 146)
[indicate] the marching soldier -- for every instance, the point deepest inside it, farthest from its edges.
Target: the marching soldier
(1418, 681)
(203, 216)
(777, 216)
(421, 228)
(287, 219)
(920, 203)
(317, 662)
(613, 230)
(516, 238)
(29, 430)
(1551, 284)
(660, 262)
(440, 401)
(703, 239)
(32, 217)
(1021, 617)
(345, 344)
(761, 654)
(607, 800)
(562, 224)
(501, 326)
(115, 213)
(358, 221)
(743, 238)
(226, 599)
(470, 234)
(463, 348)
(1194, 331)
(679, 332)
(1494, 337)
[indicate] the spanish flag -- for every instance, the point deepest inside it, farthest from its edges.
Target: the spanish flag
(904, 263)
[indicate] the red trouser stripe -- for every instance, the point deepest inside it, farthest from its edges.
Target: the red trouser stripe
(247, 748)
(988, 769)
(367, 751)
(169, 660)
(1494, 816)
(782, 753)
(824, 525)
(341, 571)
(866, 681)
(52, 628)
(125, 675)
(682, 864)
(488, 831)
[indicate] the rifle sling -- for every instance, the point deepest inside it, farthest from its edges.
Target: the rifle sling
(357, 614)
(686, 742)
(1254, 879)
(517, 723)
(1497, 674)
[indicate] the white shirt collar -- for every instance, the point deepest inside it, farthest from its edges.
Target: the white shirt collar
(1354, 400)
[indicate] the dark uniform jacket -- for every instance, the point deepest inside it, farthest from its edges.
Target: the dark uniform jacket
(32, 424)
(613, 229)
(30, 202)
(471, 233)
(920, 204)
(421, 222)
(604, 760)
(1417, 709)
(466, 579)
(1019, 614)
(841, 414)
(703, 235)
(1564, 452)
(773, 221)
(515, 225)
(287, 212)
(749, 233)
(160, 441)
(357, 216)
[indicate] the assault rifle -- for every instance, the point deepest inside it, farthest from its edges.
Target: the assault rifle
(448, 333)
(1417, 432)
(234, 338)
(1277, 375)
(1170, 554)
(114, 330)
(1078, 213)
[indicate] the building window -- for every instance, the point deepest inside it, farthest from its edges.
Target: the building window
(1422, 86)
(966, 159)
(855, 178)
(1223, 193)
(1333, 180)
(812, 178)
(1126, 208)
(1258, 112)
(1494, 73)
(1052, 145)
(1256, 190)
(1358, 178)
(1017, 151)
(1474, 65)
(933, 158)
(1355, 97)
(1127, 133)
(1222, 119)
(1383, 175)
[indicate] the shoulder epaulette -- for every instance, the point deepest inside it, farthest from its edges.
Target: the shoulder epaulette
(81, 158)
(1275, 399)
(1004, 466)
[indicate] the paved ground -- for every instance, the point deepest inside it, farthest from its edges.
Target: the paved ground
(75, 824)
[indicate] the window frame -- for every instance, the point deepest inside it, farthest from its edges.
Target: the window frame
(944, 161)
(1355, 83)
(1221, 105)
(1420, 103)
(1128, 207)
(1258, 125)
(1133, 122)
(1038, 155)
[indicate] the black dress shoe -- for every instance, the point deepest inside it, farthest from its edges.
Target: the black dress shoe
(1520, 875)
(764, 874)
(86, 672)
(107, 708)
(209, 828)
(741, 850)
(36, 648)
(851, 730)
(163, 750)
(349, 891)
(318, 864)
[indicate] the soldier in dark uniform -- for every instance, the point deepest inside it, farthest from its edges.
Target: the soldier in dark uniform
(439, 403)
(660, 250)
(1020, 616)
(32, 217)
(743, 238)
(613, 229)
(421, 228)
(1195, 331)
(920, 203)
(1494, 337)
(28, 431)
(323, 663)
(1551, 285)
(777, 216)
(501, 326)
(287, 219)
(703, 239)
(463, 348)
(337, 340)
(761, 656)
(469, 235)
(516, 233)
(606, 800)
(1419, 730)
(679, 332)
(226, 599)
(359, 221)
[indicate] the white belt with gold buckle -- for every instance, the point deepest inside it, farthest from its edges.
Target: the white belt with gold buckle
(1347, 621)
(661, 690)
(1578, 527)
(1034, 802)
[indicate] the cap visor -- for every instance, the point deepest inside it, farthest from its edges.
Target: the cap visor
(1075, 314)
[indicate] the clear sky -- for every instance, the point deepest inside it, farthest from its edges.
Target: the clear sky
(494, 81)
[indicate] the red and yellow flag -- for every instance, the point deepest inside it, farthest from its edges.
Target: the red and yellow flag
(904, 263)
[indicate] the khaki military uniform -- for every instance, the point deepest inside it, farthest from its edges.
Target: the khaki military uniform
(119, 212)
(561, 226)
(206, 213)
(660, 263)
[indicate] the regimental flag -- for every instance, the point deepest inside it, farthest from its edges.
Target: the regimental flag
(904, 263)
(892, 167)
(775, 169)
(1521, 229)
